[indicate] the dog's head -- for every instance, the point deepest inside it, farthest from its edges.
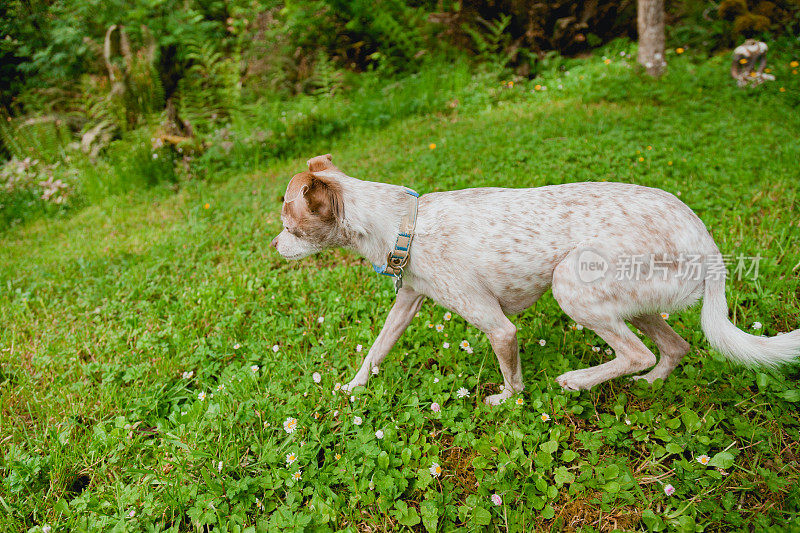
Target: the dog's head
(312, 212)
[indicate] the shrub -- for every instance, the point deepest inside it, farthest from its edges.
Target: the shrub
(730, 9)
(750, 24)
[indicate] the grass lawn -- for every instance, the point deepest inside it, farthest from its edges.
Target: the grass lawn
(153, 346)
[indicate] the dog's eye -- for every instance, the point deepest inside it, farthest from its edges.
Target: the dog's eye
(295, 231)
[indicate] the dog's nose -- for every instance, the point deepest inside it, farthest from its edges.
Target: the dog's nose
(274, 243)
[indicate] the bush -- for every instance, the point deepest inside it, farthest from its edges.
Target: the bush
(750, 24)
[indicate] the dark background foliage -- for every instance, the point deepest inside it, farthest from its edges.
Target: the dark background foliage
(81, 79)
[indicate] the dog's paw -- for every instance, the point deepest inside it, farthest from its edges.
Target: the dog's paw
(353, 384)
(497, 399)
(575, 380)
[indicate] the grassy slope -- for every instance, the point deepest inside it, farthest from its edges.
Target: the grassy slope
(104, 311)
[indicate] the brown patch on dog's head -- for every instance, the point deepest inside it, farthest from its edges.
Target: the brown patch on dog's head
(321, 163)
(313, 208)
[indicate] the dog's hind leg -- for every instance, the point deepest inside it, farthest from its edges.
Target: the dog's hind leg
(671, 346)
(400, 316)
(599, 305)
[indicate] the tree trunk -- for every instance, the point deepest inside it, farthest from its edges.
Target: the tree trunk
(650, 19)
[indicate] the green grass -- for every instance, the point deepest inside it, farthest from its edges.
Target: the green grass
(105, 310)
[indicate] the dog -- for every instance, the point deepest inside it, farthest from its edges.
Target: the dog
(489, 253)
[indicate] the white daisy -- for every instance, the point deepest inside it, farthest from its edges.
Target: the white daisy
(276, 348)
(357, 420)
(201, 396)
(446, 345)
(291, 458)
(542, 342)
(462, 393)
(254, 368)
(448, 315)
(439, 328)
(757, 325)
(320, 320)
(188, 375)
(290, 425)
(435, 470)
(359, 347)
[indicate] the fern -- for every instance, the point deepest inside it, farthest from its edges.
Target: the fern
(493, 44)
(211, 91)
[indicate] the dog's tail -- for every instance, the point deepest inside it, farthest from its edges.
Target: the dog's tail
(749, 350)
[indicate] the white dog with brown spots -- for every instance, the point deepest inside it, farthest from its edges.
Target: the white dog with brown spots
(611, 253)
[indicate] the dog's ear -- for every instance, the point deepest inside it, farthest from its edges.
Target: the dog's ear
(320, 163)
(324, 199)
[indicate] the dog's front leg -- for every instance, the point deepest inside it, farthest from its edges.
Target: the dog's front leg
(400, 316)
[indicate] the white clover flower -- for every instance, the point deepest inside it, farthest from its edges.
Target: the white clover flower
(462, 393)
(379, 434)
(219, 467)
(46, 528)
(188, 375)
(446, 345)
(375, 370)
(290, 425)
(435, 470)
(320, 320)
(435, 407)
(357, 420)
(276, 348)
(578, 327)
(359, 347)
(757, 325)
(496, 499)
(436, 380)
(669, 490)
(317, 377)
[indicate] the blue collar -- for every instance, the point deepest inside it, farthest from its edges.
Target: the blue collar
(397, 258)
